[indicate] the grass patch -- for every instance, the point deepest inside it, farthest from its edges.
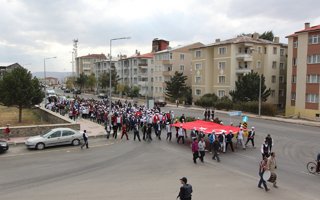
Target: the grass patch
(10, 115)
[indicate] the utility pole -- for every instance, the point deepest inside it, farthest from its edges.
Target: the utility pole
(260, 77)
(75, 55)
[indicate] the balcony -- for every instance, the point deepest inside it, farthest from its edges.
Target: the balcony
(166, 62)
(144, 75)
(243, 70)
(244, 56)
(143, 64)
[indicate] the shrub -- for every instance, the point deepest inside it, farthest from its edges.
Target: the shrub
(253, 107)
(224, 103)
(207, 100)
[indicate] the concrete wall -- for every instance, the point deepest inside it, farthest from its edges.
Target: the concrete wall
(54, 120)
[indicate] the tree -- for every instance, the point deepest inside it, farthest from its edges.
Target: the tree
(207, 100)
(18, 88)
(134, 91)
(103, 80)
(188, 96)
(267, 35)
(176, 87)
(247, 88)
(91, 81)
(70, 82)
(81, 80)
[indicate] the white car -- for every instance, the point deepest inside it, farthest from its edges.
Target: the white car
(55, 137)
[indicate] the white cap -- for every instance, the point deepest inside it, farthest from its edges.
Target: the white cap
(252, 127)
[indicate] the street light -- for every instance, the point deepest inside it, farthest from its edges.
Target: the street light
(121, 38)
(45, 77)
(260, 95)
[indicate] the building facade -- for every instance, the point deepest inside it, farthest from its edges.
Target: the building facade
(167, 62)
(135, 71)
(85, 64)
(102, 67)
(216, 67)
(303, 73)
(8, 68)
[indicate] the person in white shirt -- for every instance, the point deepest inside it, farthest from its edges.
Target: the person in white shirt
(240, 138)
(202, 146)
(169, 131)
(181, 135)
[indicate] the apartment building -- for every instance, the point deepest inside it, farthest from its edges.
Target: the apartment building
(85, 64)
(167, 62)
(303, 73)
(103, 66)
(135, 71)
(216, 67)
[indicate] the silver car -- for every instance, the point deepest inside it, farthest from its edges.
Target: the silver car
(55, 137)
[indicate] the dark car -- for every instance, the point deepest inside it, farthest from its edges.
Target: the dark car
(67, 90)
(160, 103)
(77, 91)
(3, 146)
(102, 96)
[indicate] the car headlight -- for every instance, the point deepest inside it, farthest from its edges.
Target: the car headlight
(3, 144)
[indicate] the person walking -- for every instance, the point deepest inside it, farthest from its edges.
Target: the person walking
(124, 131)
(169, 131)
(212, 137)
(136, 133)
(270, 142)
(229, 142)
(205, 114)
(85, 139)
(108, 128)
(251, 135)
(222, 140)
(265, 149)
(216, 149)
(262, 169)
(272, 166)
(7, 132)
(144, 130)
(195, 150)
(202, 147)
(240, 138)
(180, 135)
(185, 192)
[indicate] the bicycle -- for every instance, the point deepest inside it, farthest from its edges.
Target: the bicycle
(312, 167)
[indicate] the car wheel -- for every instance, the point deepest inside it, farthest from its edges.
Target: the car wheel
(40, 146)
(75, 142)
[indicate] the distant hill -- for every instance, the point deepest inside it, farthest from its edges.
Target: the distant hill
(59, 75)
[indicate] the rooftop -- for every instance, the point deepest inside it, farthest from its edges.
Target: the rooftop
(242, 39)
(306, 29)
(94, 56)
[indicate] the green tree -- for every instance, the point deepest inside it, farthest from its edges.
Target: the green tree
(18, 88)
(207, 100)
(267, 35)
(176, 87)
(70, 82)
(188, 96)
(247, 88)
(82, 80)
(91, 81)
(134, 91)
(103, 80)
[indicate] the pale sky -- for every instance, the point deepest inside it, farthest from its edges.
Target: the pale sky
(34, 29)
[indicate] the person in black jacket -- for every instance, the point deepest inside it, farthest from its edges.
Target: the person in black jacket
(216, 149)
(185, 190)
(229, 137)
(251, 135)
(85, 138)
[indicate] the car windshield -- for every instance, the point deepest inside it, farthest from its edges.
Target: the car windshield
(46, 134)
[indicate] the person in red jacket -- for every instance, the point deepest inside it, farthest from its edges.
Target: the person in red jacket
(7, 132)
(195, 150)
(124, 131)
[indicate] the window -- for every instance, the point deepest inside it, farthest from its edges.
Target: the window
(135, 71)
(312, 98)
(151, 79)
(259, 50)
(170, 56)
(198, 54)
(295, 44)
(156, 79)
(156, 89)
(258, 64)
(181, 56)
(275, 49)
(281, 66)
(198, 79)
(294, 79)
(293, 96)
(55, 134)
(222, 79)
(198, 92)
(314, 39)
(313, 78)
(294, 61)
(239, 50)
(265, 50)
(160, 89)
(181, 67)
(222, 66)
(221, 93)
(151, 71)
(281, 93)
(274, 65)
(281, 79)
(198, 66)
(313, 59)
(273, 79)
(222, 50)
(281, 52)
(67, 133)
(160, 79)
(273, 93)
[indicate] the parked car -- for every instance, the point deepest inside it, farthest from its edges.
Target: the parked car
(160, 103)
(67, 90)
(77, 91)
(55, 137)
(3, 146)
(102, 96)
